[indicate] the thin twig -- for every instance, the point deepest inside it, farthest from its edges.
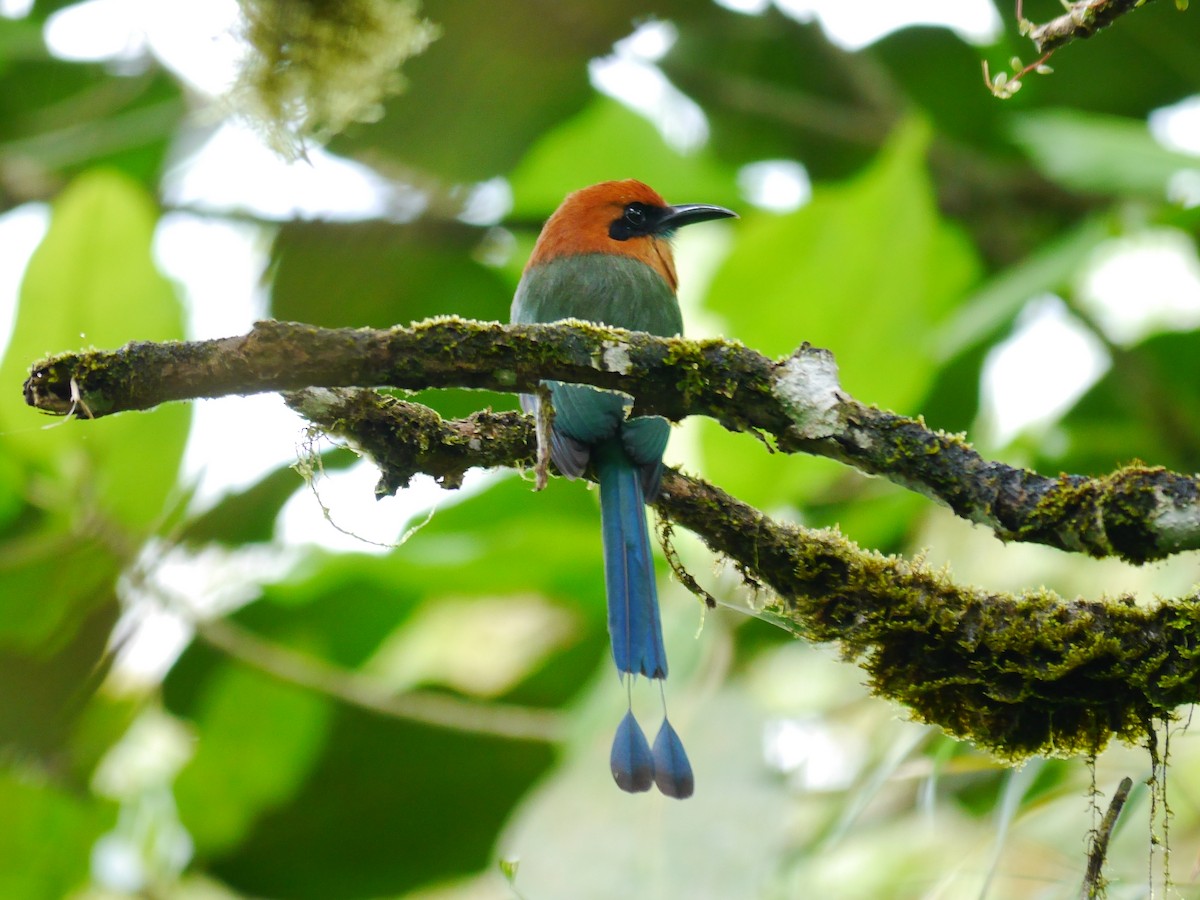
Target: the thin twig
(1093, 882)
(1080, 21)
(666, 535)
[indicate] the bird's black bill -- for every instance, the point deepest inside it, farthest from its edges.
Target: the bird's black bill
(690, 213)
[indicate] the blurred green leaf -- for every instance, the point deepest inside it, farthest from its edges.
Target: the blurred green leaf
(101, 723)
(93, 280)
(409, 804)
(46, 849)
(512, 538)
(377, 274)
(93, 274)
(46, 83)
(257, 741)
(51, 578)
(962, 341)
(12, 500)
(875, 515)
(19, 39)
(50, 689)
(1100, 154)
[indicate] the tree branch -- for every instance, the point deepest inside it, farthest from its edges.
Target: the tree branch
(1138, 513)
(1080, 21)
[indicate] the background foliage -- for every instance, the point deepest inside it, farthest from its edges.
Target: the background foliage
(270, 760)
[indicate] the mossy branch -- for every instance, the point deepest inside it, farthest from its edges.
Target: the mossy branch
(1019, 675)
(1033, 673)
(1138, 513)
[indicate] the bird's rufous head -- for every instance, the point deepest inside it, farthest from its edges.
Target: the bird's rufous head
(626, 218)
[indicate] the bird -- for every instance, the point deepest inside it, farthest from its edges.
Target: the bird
(605, 256)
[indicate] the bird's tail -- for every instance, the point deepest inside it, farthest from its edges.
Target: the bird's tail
(635, 627)
(633, 619)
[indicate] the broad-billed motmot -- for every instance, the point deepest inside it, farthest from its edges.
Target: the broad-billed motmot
(605, 256)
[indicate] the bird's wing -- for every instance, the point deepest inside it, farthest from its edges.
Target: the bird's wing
(583, 417)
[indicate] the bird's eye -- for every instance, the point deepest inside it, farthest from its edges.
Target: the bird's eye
(635, 215)
(636, 219)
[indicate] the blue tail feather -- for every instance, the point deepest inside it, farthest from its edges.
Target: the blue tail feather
(633, 619)
(631, 761)
(672, 770)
